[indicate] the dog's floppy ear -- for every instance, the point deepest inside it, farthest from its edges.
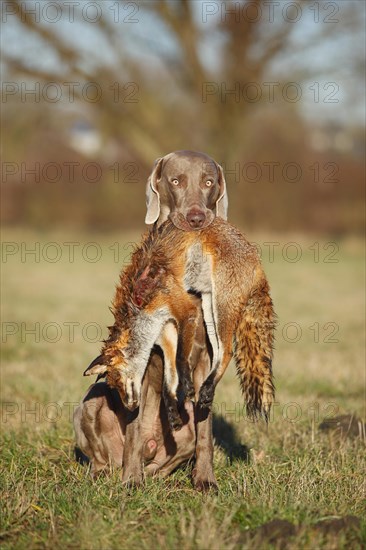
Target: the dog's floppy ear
(152, 193)
(222, 201)
(97, 366)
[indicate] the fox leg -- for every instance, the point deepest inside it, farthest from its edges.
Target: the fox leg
(207, 391)
(186, 340)
(254, 336)
(168, 341)
(210, 318)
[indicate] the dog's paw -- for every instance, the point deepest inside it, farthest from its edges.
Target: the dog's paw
(204, 483)
(132, 483)
(204, 486)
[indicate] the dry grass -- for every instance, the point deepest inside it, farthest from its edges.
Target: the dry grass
(294, 471)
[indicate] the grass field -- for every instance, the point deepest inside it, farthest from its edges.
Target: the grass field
(292, 485)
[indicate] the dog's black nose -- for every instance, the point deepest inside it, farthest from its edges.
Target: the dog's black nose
(196, 218)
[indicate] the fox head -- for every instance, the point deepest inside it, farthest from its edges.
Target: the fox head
(126, 337)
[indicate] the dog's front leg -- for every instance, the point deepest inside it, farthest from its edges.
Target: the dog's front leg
(140, 445)
(132, 464)
(203, 475)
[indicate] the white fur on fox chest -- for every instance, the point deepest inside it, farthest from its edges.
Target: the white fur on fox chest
(198, 271)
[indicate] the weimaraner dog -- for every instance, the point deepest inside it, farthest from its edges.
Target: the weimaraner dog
(190, 188)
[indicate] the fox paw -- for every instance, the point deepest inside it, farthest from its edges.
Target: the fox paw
(174, 419)
(206, 395)
(188, 389)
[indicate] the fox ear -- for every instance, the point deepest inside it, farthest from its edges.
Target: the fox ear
(146, 284)
(97, 366)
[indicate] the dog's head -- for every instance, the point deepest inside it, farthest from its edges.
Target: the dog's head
(189, 188)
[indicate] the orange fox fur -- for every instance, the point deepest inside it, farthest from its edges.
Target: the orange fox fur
(153, 305)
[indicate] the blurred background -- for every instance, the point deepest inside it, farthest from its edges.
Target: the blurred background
(94, 92)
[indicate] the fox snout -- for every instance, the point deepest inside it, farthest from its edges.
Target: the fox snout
(131, 395)
(128, 388)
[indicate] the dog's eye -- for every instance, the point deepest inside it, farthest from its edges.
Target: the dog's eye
(209, 183)
(175, 181)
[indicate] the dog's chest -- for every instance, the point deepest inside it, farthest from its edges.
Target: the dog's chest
(198, 269)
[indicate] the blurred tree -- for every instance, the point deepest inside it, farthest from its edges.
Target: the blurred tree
(212, 76)
(207, 105)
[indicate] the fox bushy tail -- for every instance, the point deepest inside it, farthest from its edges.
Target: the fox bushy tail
(253, 351)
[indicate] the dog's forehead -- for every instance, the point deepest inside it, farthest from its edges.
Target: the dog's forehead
(187, 162)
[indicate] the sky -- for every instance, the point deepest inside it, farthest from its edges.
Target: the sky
(330, 64)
